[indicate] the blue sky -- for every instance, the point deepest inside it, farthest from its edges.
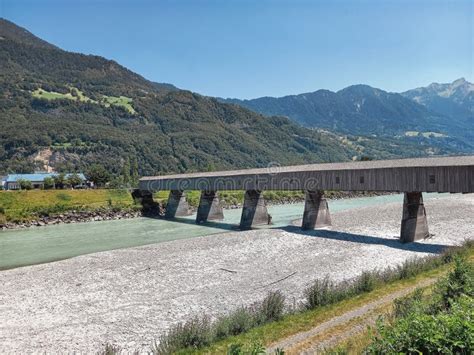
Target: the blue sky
(248, 49)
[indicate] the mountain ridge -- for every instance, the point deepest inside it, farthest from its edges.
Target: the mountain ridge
(365, 110)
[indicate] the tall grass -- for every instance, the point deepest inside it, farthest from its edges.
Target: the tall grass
(324, 292)
(200, 331)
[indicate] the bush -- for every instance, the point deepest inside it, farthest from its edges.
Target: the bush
(442, 323)
(240, 321)
(408, 304)
(201, 332)
(195, 333)
(324, 292)
(48, 183)
(366, 282)
(460, 281)
(25, 184)
(272, 307)
(255, 348)
(446, 332)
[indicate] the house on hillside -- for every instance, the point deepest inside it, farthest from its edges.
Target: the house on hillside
(12, 181)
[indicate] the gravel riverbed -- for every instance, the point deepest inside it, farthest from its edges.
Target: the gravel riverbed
(129, 297)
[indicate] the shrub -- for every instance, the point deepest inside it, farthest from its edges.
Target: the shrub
(458, 282)
(237, 322)
(446, 332)
(324, 292)
(442, 323)
(25, 184)
(366, 282)
(408, 304)
(255, 348)
(48, 183)
(272, 307)
(110, 350)
(195, 333)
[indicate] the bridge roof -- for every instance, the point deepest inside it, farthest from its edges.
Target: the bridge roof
(467, 160)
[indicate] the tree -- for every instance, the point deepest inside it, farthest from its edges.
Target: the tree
(74, 180)
(59, 180)
(134, 171)
(48, 182)
(25, 184)
(98, 175)
(126, 171)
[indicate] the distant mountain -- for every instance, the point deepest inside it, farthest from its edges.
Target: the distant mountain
(455, 100)
(364, 110)
(69, 110)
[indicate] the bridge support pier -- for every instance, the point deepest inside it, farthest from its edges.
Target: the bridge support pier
(316, 211)
(254, 211)
(414, 222)
(177, 205)
(209, 208)
(145, 198)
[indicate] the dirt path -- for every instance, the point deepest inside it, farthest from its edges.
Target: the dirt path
(319, 338)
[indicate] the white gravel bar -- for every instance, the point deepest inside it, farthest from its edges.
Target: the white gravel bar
(129, 297)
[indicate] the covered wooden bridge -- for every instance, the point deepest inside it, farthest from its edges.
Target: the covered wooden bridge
(410, 176)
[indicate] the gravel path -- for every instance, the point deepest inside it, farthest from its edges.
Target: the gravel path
(130, 296)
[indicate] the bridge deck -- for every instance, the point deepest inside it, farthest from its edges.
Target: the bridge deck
(437, 174)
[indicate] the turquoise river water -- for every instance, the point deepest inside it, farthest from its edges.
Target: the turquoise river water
(37, 245)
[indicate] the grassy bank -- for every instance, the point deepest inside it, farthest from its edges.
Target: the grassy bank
(20, 206)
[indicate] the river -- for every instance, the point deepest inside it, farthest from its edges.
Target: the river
(38, 245)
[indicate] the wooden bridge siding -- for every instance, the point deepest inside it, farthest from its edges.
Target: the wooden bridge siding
(447, 179)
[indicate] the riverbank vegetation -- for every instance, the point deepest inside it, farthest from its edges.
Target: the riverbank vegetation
(21, 206)
(433, 320)
(274, 319)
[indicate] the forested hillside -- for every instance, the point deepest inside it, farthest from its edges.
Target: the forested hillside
(74, 110)
(69, 111)
(366, 111)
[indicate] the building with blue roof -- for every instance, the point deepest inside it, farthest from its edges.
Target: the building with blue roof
(12, 181)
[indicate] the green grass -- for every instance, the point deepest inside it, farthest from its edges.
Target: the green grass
(107, 101)
(121, 101)
(18, 206)
(51, 95)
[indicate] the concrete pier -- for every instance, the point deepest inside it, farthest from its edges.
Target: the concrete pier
(316, 211)
(210, 208)
(145, 198)
(177, 205)
(414, 222)
(254, 211)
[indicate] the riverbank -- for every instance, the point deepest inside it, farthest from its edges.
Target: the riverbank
(129, 297)
(37, 208)
(41, 207)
